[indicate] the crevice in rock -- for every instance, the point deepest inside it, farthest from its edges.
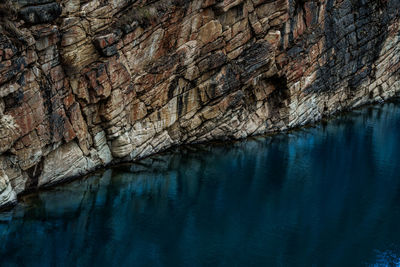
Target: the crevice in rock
(33, 173)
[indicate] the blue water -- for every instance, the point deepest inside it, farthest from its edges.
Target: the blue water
(322, 196)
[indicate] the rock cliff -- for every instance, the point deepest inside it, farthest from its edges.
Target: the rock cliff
(87, 83)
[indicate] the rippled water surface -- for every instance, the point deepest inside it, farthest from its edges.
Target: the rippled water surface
(323, 196)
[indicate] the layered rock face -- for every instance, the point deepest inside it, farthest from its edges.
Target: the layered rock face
(86, 83)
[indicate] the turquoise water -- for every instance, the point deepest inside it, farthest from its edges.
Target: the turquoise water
(322, 196)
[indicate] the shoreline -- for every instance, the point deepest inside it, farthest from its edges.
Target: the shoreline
(102, 169)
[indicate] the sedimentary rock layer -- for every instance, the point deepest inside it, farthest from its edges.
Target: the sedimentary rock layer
(86, 83)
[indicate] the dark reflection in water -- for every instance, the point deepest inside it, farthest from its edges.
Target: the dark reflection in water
(324, 196)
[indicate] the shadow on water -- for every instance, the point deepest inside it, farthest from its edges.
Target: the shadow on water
(323, 196)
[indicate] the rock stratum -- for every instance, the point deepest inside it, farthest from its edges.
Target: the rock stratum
(85, 84)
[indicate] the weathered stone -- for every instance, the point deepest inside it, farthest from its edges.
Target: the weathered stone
(9, 132)
(121, 146)
(7, 195)
(41, 13)
(73, 35)
(111, 81)
(210, 32)
(66, 161)
(106, 44)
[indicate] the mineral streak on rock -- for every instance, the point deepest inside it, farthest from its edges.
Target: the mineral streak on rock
(87, 83)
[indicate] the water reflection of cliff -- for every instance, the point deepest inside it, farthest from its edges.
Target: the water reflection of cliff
(321, 195)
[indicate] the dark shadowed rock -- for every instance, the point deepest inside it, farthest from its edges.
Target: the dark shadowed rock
(41, 13)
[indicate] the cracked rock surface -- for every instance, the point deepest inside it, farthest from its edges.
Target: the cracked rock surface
(87, 83)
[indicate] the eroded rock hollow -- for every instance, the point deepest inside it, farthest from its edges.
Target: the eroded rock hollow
(86, 83)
